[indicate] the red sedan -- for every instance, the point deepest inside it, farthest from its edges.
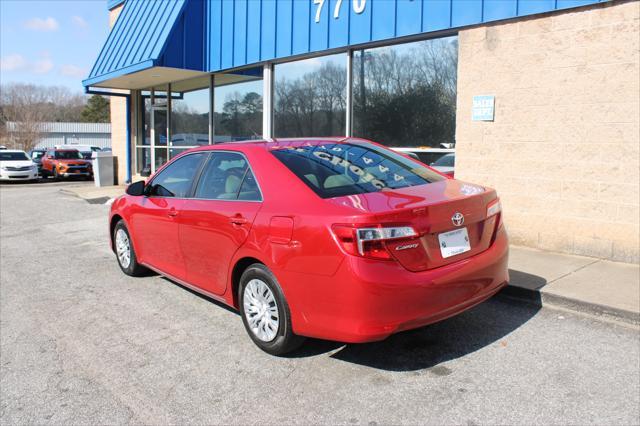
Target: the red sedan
(339, 239)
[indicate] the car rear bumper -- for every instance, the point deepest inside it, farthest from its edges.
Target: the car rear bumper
(370, 300)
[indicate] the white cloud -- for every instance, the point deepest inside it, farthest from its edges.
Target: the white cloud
(13, 62)
(39, 24)
(69, 70)
(79, 21)
(44, 64)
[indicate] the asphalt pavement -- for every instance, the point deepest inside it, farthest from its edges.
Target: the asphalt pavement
(82, 343)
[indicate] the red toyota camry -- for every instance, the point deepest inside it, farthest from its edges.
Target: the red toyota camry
(339, 239)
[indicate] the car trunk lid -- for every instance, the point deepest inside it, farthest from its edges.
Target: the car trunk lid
(430, 210)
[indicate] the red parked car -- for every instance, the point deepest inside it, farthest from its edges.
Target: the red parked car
(339, 239)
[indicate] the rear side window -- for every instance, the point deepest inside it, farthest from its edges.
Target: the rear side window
(227, 176)
(339, 169)
(176, 179)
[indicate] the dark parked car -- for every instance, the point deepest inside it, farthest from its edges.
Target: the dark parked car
(36, 156)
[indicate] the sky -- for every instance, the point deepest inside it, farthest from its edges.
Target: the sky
(51, 42)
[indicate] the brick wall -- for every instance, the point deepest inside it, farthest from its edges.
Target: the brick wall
(563, 151)
(118, 120)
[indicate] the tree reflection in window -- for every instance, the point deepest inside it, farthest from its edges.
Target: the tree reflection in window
(405, 95)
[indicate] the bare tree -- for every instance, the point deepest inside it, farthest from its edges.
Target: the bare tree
(27, 106)
(22, 105)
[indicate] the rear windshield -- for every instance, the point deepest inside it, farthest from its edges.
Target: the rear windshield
(339, 169)
(445, 161)
(13, 156)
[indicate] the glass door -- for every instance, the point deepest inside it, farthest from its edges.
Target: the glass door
(159, 129)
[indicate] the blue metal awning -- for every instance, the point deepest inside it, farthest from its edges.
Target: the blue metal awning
(142, 33)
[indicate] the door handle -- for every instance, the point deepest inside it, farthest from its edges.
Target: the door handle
(238, 220)
(172, 213)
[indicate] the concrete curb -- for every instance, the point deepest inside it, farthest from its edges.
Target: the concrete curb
(548, 299)
(96, 200)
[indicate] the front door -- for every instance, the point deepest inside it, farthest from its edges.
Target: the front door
(155, 220)
(217, 221)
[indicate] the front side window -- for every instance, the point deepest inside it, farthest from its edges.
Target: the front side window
(339, 169)
(227, 176)
(176, 179)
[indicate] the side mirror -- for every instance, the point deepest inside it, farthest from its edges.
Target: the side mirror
(146, 172)
(136, 189)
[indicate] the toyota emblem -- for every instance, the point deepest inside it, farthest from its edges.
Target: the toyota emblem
(457, 219)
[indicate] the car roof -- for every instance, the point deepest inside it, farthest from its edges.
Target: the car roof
(13, 150)
(270, 144)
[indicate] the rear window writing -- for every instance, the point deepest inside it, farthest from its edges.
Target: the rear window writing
(339, 169)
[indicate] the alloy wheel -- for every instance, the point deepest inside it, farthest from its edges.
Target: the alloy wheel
(261, 310)
(123, 248)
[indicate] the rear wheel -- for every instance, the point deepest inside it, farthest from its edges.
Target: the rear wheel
(265, 312)
(125, 253)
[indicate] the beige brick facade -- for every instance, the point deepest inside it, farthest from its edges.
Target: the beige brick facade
(118, 121)
(564, 148)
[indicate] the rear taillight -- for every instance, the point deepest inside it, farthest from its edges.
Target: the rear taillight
(494, 207)
(370, 241)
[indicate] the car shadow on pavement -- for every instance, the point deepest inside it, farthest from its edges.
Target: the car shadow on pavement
(487, 324)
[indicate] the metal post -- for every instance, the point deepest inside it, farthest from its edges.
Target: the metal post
(349, 111)
(152, 132)
(267, 99)
(168, 132)
(212, 106)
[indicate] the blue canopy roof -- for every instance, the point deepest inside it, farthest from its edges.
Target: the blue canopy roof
(159, 41)
(139, 39)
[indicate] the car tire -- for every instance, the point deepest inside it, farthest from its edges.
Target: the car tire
(257, 278)
(128, 263)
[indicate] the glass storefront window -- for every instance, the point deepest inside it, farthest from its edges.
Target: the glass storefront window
(310, 97)
(405, 95)
(238, 111)
(190, 119)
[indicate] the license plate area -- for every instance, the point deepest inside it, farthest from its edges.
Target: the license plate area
(454, 242)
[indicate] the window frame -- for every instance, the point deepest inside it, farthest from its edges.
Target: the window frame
(249, 168)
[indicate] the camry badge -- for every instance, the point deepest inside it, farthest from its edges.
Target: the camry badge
(407, 246)
(457, 219)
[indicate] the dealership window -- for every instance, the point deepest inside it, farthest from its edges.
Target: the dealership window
(405, 95)
(310, 97)
(189, 115)
(238, 106)
(170, 125)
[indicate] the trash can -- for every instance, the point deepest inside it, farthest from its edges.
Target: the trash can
(103, 168)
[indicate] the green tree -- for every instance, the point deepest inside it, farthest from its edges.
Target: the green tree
(96, 110)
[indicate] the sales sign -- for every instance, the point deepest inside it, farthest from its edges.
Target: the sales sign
(483, 108)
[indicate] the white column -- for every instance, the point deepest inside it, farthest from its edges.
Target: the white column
(267, 102)
(212, 122)
(349, 127)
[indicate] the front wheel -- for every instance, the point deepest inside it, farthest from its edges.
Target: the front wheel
(124, 251)
(265, 312)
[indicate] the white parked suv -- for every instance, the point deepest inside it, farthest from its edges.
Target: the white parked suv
(16, 165)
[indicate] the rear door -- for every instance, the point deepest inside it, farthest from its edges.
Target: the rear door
(216, 222)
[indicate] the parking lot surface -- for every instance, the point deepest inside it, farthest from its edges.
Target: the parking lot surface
(82, 343)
